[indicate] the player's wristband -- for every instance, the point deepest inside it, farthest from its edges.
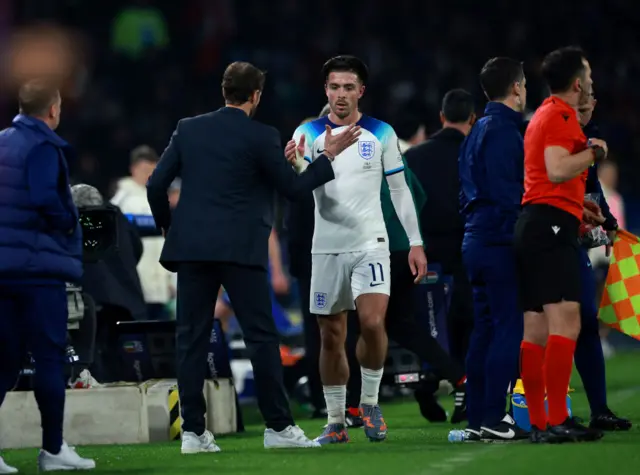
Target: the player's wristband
(416, 243)
(598, 153)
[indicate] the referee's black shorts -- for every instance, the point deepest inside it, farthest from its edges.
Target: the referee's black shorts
(548, 257)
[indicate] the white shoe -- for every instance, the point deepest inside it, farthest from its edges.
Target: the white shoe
(66, 459)
(4, 468)
(194, 444)
(291, 437)
(85, 381)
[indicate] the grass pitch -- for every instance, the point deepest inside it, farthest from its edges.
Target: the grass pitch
(414, 447)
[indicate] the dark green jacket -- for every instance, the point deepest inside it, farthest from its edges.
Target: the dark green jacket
(398, 240)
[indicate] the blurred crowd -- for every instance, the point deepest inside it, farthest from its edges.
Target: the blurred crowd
(143, 64)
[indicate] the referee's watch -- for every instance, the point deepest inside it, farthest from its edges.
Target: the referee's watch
(598, 153)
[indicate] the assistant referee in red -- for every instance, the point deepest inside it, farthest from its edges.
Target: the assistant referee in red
(557, 159)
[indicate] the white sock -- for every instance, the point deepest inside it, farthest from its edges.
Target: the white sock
(370, 385)
(336, 399)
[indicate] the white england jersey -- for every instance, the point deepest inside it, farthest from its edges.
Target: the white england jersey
(348, 214)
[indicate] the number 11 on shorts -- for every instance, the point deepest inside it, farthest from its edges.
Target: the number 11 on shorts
(377, 274)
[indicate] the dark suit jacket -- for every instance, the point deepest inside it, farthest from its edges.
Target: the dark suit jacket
(435, 165)
(230, 167)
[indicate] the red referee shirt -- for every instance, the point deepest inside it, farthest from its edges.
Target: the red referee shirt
(555, 123)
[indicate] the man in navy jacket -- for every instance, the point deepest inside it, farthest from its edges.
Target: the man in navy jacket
(491, 178)
(588, 356)
(40, 250)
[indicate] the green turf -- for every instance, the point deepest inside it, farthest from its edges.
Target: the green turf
(414, 447)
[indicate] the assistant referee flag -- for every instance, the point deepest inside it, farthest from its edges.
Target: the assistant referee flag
(620, 305)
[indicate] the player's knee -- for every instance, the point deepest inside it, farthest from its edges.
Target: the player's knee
(333, 334)
(564, 319)
(536, 328)
(371, 322)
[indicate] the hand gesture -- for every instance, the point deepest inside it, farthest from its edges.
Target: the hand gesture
(336, 144)
(294, 152)
(612, 237)
(592, 214)
(417, 263)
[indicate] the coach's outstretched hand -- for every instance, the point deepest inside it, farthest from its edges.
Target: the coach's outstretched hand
(336, 144)
(417, 263)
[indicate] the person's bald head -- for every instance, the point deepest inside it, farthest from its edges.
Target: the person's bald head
(41, 99)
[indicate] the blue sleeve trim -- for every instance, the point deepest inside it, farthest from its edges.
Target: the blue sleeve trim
(307, 159)
(394, 171)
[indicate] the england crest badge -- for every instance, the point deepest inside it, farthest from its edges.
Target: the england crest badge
(367, 149)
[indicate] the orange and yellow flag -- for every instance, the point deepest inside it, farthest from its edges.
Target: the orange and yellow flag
(620, 305)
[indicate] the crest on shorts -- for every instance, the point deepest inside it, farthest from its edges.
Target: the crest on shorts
(367, 149)
(320, 299)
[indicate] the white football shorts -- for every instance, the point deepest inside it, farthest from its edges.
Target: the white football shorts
(337, 280)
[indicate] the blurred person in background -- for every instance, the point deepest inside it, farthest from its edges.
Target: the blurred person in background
(411, 131)
(40, 250)
(589, 355)
(131, 198)
(137, 28)
(608, 176)
(491, 187)
(435, 165)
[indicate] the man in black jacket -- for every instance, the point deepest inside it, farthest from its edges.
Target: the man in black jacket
(435, 164)
(230, 167)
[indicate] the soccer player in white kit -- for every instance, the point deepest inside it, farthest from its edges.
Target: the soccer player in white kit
(350, 253)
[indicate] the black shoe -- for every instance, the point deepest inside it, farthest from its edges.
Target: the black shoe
(430, 409)
(460, 406)
(608, 421)
(506, 431)
(537, 436)
(473, 435)
(352, 418)
(571, 431)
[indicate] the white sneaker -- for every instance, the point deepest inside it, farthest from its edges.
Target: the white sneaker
(85, 381)
(66, 459)
(4, 468)
(291, 437)
(194, 444)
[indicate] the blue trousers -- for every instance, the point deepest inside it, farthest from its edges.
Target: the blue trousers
(588, 356)
(494, 346)
(33, 318)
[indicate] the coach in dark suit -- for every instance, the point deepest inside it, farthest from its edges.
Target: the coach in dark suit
(218, 235)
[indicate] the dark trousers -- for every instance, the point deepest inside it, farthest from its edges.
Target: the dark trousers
(248, 290)
(460, 315)
(588, 356)
(83, 339)
(494, 347)
(33, 318)
(403, 328)
(312, 344)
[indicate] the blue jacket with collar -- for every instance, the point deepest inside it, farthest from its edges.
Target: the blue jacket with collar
(40, 237)
(491, 167)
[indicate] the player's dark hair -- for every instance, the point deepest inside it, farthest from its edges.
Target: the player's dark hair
(498, 75)
(143, 153)
(562, 66)
(239, 81)
(407, 125)
(35, 97)
(458, 106)
(346, 63)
